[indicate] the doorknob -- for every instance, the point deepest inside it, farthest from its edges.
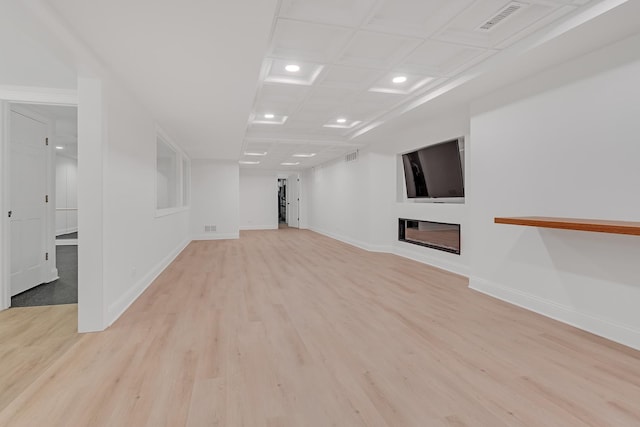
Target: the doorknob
(10, 212)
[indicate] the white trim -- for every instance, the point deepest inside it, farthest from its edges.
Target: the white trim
(352, 242)
(181, 157)
(596, 325)
(25, 95)
(116, 309)
(216, 236)
(406, 250)
(5, 287)
(39, 95)
(258, 227)
(170, 211)
(67, 242)
(397, 249)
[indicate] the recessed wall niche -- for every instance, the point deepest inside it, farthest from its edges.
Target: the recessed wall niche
(435, 235)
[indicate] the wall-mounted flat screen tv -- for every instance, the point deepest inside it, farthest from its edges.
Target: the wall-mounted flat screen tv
(434, 171)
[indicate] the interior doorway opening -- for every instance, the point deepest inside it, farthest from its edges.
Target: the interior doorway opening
(288, 201)
(42, 174)
(282, 202)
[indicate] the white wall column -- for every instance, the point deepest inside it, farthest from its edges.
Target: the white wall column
(91, 148)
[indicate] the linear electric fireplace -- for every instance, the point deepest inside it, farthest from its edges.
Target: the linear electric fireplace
(436, 235)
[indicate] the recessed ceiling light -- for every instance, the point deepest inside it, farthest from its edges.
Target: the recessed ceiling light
(290, 163)
(269, 116)
(59, 148)
(304, 155)
(248, 162)
(292, 68)
(341, 120)
(255, 153)
(399, 79)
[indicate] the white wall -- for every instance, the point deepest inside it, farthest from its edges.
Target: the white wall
(122, 245)
(338, 199)
(137, 244)
(562, 143)
(26, 61)
(565, 144)
(258, 200)
(360, 202)
(66, 194)
(215, 199)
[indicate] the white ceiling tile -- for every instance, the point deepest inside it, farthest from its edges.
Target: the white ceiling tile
(324, 100)
(269, 119)
(419, 18)
(280, 99)
(341, 76)
(370, 104)
(342, 123)
(257, 147)
(377, 50)
(275, 71)
(304, 120)
(349, 50)
(465, 28)
(335, 12)
(411, 83)
(439, 58)
(308, 42)
(546, 20)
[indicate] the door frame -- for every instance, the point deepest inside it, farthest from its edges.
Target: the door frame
(293, 185)
(21, 95)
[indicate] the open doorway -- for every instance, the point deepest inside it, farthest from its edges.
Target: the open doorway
(42, 141)
(282, 203)
(289, 201)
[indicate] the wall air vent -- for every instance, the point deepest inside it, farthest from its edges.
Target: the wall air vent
(499, 17)
(351, 156)
(210, 228)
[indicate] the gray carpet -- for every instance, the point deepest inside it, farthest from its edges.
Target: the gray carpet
(61, 291)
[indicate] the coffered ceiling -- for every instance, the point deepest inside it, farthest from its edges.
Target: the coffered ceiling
(303, 77)
(335, 69)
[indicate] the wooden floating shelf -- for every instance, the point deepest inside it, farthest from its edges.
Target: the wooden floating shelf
(594, 225)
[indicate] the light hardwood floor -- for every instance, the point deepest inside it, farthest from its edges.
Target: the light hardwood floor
(290, 328)
(31, 339)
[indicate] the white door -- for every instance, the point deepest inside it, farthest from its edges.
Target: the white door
(293, 201)
(28, 185)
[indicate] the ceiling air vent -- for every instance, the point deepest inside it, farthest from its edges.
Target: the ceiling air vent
(351, 156)
(499, 17)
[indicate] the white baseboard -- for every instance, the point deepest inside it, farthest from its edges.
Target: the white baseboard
(407, 250)
(116, 309)
(602, 327)
(259, 227)
(216, 236)
(53, 275)
(352, 242)
(456, 268)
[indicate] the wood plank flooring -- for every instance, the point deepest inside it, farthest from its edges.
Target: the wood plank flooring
(31, 339)
(290, 328)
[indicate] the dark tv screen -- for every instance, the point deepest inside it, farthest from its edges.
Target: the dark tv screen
(434, 171)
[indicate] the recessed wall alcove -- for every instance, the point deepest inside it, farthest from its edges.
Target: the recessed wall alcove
(435, 235)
